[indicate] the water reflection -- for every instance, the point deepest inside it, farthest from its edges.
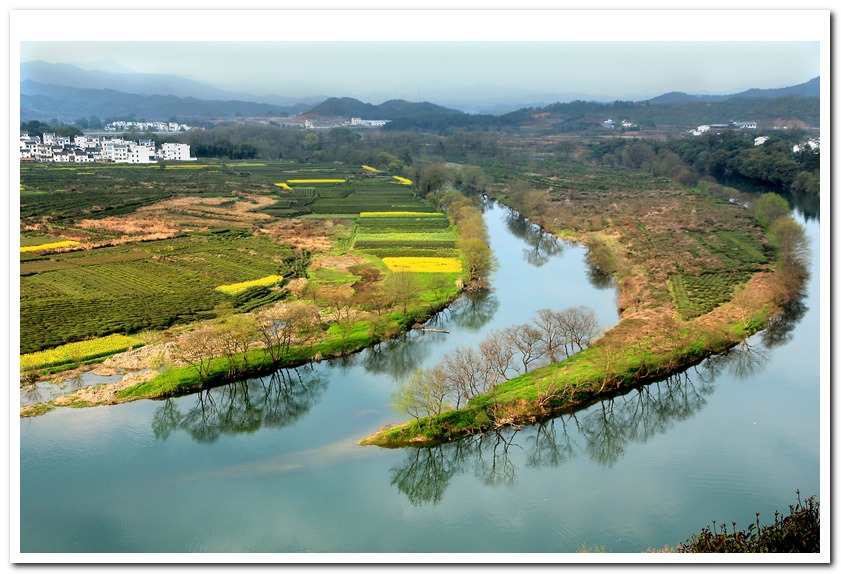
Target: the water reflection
(598, 278)
(780, 329)
(540, 246)
(472, 311)
(400, 356)
(244, 406)
(425, 473)
(604, 431)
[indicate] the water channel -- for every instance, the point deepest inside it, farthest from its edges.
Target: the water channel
(271, 464)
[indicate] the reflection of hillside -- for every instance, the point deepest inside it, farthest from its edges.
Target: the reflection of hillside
(244, 406)
(603, 432)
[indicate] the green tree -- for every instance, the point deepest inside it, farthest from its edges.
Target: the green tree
(401, 288)
(423, 394)
(479, 261)
(769, 208)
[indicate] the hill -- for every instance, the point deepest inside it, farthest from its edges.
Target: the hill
(810, 89)
(47, 101)
(390, 110)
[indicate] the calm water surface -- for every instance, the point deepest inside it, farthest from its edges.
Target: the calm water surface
(271, 465)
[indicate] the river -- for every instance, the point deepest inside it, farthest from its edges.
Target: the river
(271, 466)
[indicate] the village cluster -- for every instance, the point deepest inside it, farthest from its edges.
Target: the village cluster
(89, 148)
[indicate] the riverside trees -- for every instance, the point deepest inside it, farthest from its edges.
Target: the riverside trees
(465, 373)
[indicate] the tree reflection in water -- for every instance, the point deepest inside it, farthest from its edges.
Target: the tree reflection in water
(474, 310)
(399, 357)
(780, 329)
(598, 278)
(603, 431)
(244, 406)
(426, 472)
(540, 246)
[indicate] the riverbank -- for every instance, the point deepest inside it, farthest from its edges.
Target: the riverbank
(659, 333)
(146, 379)
(633, 354)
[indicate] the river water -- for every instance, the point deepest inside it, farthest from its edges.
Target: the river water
(271, 466)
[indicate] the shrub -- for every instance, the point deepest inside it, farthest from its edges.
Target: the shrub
(800, 531)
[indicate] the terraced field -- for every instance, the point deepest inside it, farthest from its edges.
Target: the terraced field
(72, 296)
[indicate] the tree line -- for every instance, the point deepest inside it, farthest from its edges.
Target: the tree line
(465, 372)
(730, 153)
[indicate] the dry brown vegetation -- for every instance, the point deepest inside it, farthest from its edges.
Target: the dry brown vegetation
(310, 234)
(239, 210)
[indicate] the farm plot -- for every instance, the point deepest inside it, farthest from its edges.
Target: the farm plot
(73, 296)
(402, 239)
(74, 353)
(697, 295)
(64, 195)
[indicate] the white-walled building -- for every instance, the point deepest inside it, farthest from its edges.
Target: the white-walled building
(87, 149)
(141, 154)
(175, 152)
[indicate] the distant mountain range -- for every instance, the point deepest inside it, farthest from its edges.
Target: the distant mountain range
(810, 89)
(66, 92)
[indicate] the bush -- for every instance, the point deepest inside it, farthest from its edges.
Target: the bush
(800, 531)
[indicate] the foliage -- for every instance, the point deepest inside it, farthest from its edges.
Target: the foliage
(799, 531)
(770, 207)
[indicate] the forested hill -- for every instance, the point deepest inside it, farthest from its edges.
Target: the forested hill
(582, 116)
(390, 110)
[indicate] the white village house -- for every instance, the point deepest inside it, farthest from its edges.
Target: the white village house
(87, 149)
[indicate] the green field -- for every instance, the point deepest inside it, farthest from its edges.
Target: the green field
(151, 285)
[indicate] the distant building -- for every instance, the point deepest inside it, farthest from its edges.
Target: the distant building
(760, 140)
(87, 149)
(175, 152)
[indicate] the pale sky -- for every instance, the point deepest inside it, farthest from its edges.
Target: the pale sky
(427, 55)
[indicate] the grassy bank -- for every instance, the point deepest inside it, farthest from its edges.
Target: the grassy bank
(600, 371)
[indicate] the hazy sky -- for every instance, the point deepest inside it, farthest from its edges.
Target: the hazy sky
(610, 54)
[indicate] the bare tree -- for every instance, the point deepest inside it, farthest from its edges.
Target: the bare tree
(525, 339)
(466, 373)
(197, 347)
(277, 325)
(235, 335)
(579, 327)
(498, 354)
(553, 340)
(401, 288)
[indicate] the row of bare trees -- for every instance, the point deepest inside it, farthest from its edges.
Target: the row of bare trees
(274, 328)
(465, 372)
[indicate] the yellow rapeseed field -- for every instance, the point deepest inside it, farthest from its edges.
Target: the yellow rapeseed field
(369, 168)
(54, 245)
(402, 180)
(284, 185)
(236, 288)
(423, 264)
(79, 351)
